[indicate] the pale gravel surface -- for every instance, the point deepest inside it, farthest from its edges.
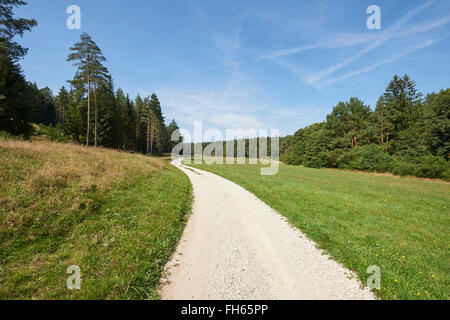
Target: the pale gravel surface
(236, 247)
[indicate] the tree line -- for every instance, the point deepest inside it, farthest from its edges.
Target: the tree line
(89, 110)
(407, 134)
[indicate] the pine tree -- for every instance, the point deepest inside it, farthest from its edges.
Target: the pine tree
(384, 124)
(130, 123)
(74, 123)
(108, 114)
(350, 123)
(16, 95)
(62, 102)
(171, 128)
(140, 125)
(158, 130)
(87, 56)
(402, 101)
(11, 27)
(439, 124)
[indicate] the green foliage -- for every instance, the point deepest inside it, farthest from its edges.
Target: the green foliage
(439, 124)
(402, 102)
(432, 167)
(16, 95)
(54, 133)
(292, 149)
(15, 111)
(446, 175)
(402, 126)
(401, 168)
(171, 129)
(410, 146)
(11, 27)
(315, 147)
(370, 158)
(350, 123)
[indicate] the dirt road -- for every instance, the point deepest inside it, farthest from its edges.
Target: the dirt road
(236, 247)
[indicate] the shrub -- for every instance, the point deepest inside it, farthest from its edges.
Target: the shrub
(4, 135)
(401, 168)
(427, 167)
(55, 134)
(332, 158)
(371, 158)
(431, 167)
(367, 158)
(345, 159)
(446, 175)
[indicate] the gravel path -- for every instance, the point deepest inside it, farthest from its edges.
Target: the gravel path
(236, 247)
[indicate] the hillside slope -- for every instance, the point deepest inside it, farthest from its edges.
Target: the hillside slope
(117, 216)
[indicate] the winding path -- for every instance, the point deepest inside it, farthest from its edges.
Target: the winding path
(236, 247)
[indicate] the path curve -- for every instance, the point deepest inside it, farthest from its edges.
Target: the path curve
(236, 247)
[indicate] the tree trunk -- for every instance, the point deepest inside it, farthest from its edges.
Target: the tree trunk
(148, 134)
(63, 118)
(96, 113)
(138, 119)
(387, 141)
(89, 110)
(152, 134)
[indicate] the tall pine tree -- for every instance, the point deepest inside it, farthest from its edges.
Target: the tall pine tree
(88, 58)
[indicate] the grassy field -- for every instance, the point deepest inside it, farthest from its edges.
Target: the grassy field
(117, 216)
(360, 219)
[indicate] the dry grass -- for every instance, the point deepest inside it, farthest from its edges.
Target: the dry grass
(69, 161)
(51, 197)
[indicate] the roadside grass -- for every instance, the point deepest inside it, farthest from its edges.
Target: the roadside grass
(117, 216)
(360, 219)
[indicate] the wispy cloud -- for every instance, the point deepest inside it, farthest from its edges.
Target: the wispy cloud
(399, 29)
(336, 41)
(386, 35)
(389, 60)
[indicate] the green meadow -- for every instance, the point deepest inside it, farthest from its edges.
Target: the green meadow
(363, 219)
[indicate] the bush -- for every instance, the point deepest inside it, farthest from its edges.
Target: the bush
(7, 136)
(4, 135)
(432, 167)
(446, 175)
(371, 158)
(53, 133)
(427, 167)
(344, 160)
(367, 158)
(332, 158)
(401, 168)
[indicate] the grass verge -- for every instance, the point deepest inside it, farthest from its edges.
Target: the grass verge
(360, 219)
(117, 216)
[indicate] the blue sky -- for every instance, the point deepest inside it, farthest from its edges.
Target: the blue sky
(247, 64)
